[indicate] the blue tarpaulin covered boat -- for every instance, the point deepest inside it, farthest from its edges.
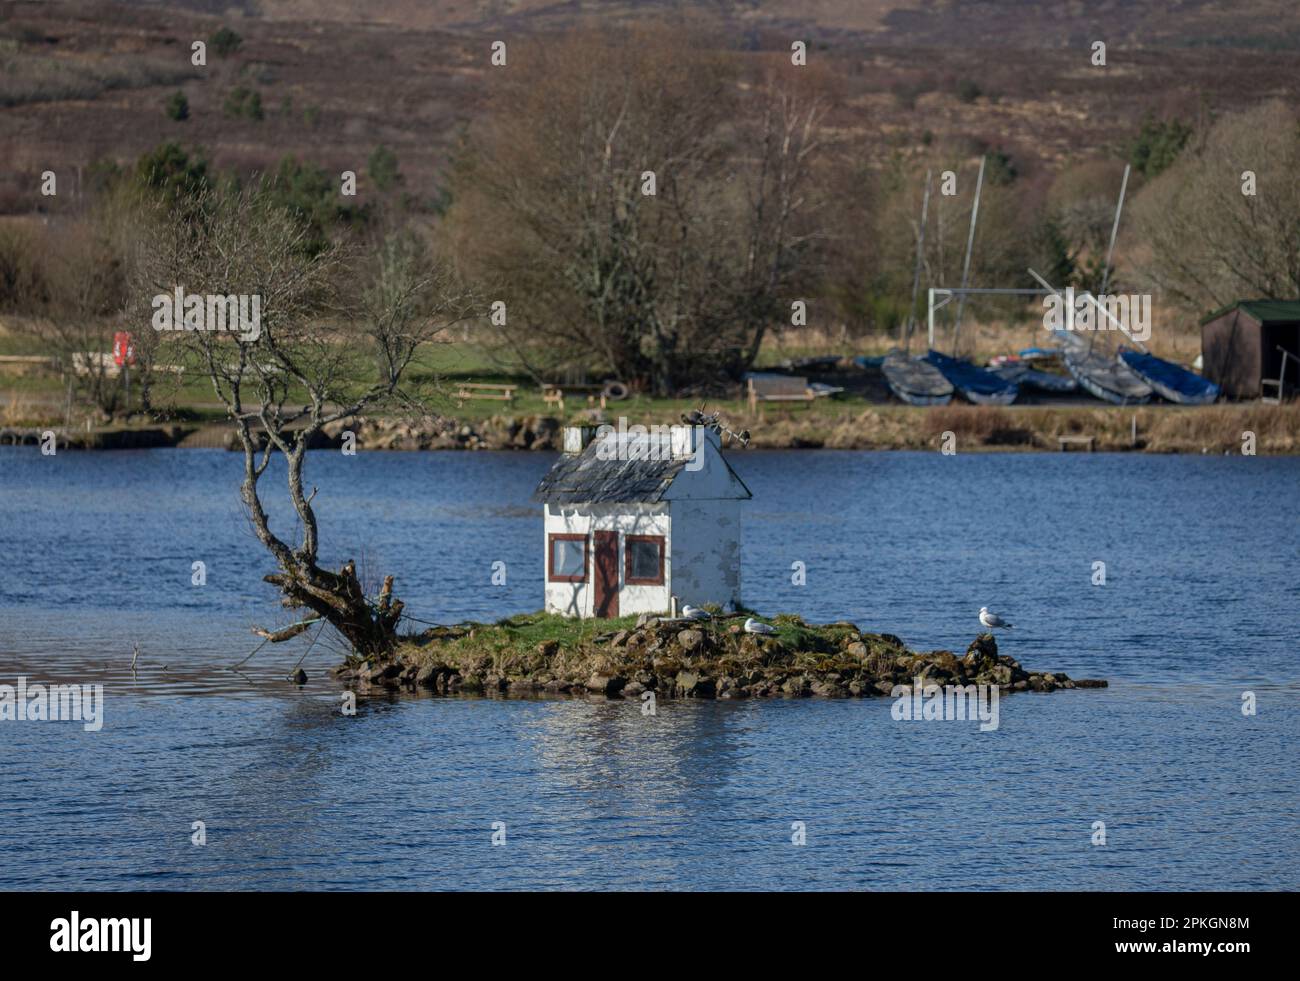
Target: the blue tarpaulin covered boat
(1171, 381)
(1027, 377)
(975, 384)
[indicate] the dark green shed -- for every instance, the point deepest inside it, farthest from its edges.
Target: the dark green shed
(1242, 347)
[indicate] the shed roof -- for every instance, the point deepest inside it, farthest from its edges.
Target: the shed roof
(642, 476)
(584, 478)
(1265, 311)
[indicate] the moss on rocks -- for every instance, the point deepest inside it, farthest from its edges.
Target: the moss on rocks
(546, 654)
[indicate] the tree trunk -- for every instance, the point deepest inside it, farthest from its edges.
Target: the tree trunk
(339, 599)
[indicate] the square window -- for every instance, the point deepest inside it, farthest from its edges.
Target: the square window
(644, 560)
(568, 558)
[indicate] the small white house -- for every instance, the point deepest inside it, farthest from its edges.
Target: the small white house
(637, 518)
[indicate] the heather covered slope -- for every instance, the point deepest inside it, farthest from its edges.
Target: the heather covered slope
(83, 82)
(1251, 23)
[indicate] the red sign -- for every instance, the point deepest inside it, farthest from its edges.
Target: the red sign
(123, 349)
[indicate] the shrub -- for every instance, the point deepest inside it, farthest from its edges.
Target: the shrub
(101, 175)
(178, 107)
(968, 91)
(172, 172)
(311, 195)
(1000, 168)
(1157, 145)
(22, 279)
(382, 168)
(244, 102)
(225, 42)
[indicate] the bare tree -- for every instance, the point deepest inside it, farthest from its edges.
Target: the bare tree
(639, 206)
(322, 353)
(1002, 240)
(1202, 238)
(85, 278)
(71, 287)
(788, 135)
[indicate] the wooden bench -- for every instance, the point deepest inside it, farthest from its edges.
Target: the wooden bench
(492, 393)
(24, 363)
(95, 362)
(777, 388)
(1065, 442)
(553, 395)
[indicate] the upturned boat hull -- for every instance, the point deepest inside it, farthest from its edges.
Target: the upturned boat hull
(1108, 379)
(915, 382)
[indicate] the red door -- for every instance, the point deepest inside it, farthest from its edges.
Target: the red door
(606, 573)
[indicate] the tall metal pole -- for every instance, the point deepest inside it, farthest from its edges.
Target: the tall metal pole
(970, 241)
(929, 318)
(1114, 230)
(916, 274)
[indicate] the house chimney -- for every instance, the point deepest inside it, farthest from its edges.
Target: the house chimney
(576, 438)
(685, 439)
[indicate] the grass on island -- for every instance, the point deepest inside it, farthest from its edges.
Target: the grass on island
(676, 657)
(523, 643)
(525, 631)
(711, 658)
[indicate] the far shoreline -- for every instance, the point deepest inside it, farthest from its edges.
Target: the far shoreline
(1246, 428)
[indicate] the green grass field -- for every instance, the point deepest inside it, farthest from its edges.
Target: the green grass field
(444, 365)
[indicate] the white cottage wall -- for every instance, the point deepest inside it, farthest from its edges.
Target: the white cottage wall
(706, 551)
(577, 599)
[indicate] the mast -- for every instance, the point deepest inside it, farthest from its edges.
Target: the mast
(916, 274)
(970, 241)
(1114, 231)
(1096, 305)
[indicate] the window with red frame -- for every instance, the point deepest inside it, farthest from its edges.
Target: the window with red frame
(567, 558)
(643, 560)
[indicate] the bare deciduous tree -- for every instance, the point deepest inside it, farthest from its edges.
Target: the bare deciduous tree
(1001, 249)
(1205, 242)
(70, 288)
(639, 206)
(323, 352)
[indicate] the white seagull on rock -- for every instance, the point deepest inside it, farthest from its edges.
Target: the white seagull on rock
(752, 626)
(695, 613)
(992, 619)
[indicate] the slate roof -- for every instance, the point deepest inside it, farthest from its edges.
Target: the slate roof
(585, 478)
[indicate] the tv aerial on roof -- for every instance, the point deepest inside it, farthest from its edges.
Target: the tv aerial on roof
(713, 422)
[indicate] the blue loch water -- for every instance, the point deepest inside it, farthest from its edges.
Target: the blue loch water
(1200, 605)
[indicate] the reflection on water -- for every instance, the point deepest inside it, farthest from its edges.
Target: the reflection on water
(95, 553)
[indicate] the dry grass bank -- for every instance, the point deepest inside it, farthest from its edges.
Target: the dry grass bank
(1160, 429)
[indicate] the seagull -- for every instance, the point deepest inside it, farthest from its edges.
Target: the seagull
(695, 613)
(752, 626)
(992, 619)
